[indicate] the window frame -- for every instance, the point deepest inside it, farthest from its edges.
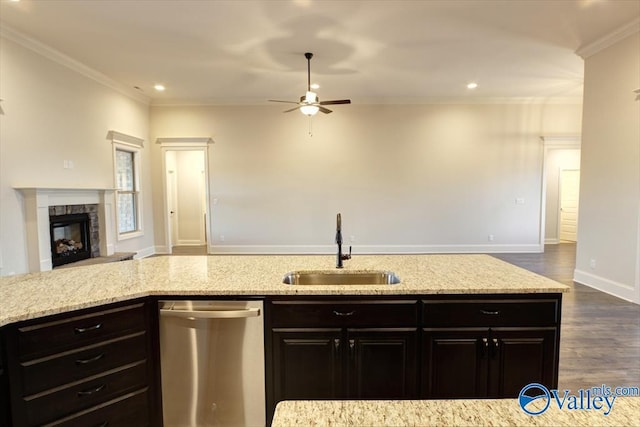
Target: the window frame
(129, 144)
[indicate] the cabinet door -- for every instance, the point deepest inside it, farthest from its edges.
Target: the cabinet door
(454, 363)
(382, 363)
(4, 391)
(520, 356)
(307, 364)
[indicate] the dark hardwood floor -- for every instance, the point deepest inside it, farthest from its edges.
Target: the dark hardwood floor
(600, 334)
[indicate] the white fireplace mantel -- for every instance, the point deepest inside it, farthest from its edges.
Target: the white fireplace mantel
(36, 208)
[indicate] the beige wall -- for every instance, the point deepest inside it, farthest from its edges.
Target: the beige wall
(608, 256)
(418, 178)
(52, 114)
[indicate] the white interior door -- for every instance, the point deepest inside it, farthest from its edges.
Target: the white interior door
(569, 200)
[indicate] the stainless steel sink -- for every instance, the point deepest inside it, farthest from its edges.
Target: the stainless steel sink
(332, 277)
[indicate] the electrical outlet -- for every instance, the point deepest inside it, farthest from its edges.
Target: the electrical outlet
(491, 237)
(352, 238)
(592, 263)
(222, 237)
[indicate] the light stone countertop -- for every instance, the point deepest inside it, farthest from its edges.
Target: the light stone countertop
(35, 295)
(625, 411)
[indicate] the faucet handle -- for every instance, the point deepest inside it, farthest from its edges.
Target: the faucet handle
(348, 256)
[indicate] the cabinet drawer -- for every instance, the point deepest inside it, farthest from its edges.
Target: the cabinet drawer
(344, 313)
(129, 410)
(516, 312)
(45, 373)
(74, 397)
(46, 338)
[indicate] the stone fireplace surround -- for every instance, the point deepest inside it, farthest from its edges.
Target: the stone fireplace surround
(38, 200)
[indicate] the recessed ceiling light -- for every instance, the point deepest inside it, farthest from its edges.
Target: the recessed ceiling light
(472, 85)
(159, 88)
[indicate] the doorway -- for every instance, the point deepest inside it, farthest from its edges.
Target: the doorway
(187, 219)
(560, 153)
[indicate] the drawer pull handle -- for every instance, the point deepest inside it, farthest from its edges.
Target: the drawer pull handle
(92, 391)
(340, 313)
(89, 328)
(104, 424)
(490, 313)
(336, 343)
(89, 360)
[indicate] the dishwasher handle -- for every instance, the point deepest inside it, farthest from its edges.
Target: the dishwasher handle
(211, 314)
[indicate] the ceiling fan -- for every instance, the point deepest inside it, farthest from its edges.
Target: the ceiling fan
(309, 104)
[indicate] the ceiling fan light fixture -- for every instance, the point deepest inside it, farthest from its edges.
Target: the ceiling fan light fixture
(309, 110)
(310, 97)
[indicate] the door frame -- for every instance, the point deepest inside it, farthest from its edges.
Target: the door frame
(562, 142)
(184, 144)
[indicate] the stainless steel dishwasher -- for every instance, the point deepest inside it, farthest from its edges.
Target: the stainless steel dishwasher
(212, 363)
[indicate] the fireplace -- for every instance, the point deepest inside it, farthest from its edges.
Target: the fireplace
(70, 238)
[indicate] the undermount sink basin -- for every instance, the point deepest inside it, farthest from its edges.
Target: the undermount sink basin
(331, 277)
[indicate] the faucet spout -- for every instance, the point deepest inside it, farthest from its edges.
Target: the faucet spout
(340, 256)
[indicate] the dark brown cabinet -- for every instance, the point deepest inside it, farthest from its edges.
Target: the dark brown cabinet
(473, 353)
(342, 349)
(5, 413)
(92, 366)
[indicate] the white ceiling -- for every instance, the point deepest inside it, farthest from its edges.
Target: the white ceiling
(234, 52)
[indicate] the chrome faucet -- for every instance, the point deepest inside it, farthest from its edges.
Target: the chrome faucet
(340, 257)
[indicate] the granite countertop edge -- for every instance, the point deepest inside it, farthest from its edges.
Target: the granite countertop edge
(36, 295)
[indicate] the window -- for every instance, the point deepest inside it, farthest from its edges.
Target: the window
(126, 164)
(127, 191)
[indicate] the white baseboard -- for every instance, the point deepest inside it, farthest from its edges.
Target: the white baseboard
(370, 249)
(146, 252)
(603, 284)
(190, 243)
(162, 249)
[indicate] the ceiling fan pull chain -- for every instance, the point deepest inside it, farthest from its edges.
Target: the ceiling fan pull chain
(310, 128)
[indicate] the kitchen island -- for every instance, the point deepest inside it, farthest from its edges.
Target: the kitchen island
(35, 295)
(468, 412)
(456, 326)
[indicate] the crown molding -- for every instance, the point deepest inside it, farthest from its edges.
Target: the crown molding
(541, 100)
(65, 60)
(609, 40)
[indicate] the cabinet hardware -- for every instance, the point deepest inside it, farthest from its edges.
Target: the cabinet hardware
(336, 343)
(91, 391)
(352, 345)
(494, 348)
(89, 360)
(104, 424)
(87, 329)
(342, 313)
(490, 313)
(483, 348)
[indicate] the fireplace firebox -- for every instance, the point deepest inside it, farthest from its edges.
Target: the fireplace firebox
(70, 238)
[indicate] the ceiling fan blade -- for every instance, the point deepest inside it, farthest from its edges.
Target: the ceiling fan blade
(286, 102)
(293, 109)
(335, 102)
(324, 110)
